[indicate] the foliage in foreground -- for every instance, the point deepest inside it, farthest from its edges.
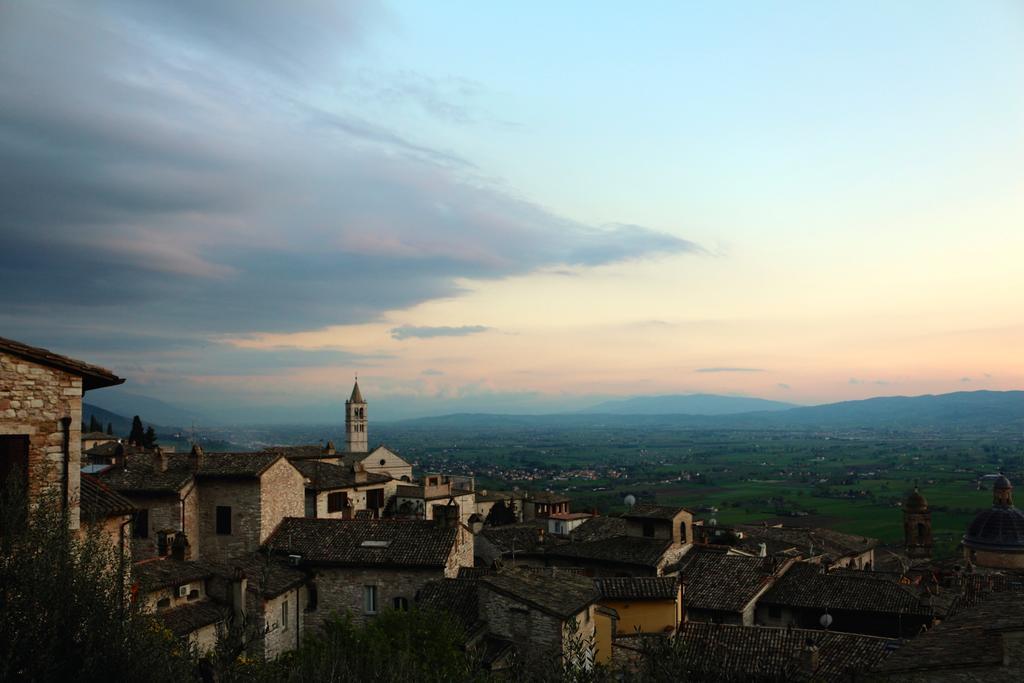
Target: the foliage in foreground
(62, 612)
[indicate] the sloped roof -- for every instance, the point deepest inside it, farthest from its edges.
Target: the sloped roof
(638, 588)
(267, 575)
(664, 512)
(325, 476)
(190, 617)
(646, 552)
(597, 528)
(561, 595)
(743, 653)
(98, 501)
(521, 537)
(821, 541)
(971, 639)
(137, 473)
(374, 542)
(715, 580)
(357, 396)
(458, 597)
(93, 376)
(164, 572)
(806, 585)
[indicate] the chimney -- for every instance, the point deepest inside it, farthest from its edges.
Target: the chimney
(762, 550)
(179, 547)
(195, 458)
(360, 472)
(810, 658)
(447, 515)
(239, 584)
(159, 460)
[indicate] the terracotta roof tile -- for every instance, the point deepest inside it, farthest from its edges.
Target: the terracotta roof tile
(99, 501)
(93, 376)
(715, 580)
(639, 588)
(561, 595)
(188, 618)
(807, 585)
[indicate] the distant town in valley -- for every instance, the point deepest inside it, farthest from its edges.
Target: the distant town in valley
(843, 552)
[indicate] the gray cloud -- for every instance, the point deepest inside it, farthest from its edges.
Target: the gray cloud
(729, 369)
(165, 174)
(965, 380)
(783, 385)
(425, 332)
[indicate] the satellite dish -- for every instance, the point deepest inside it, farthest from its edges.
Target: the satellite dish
(629, 500)
(826, 620)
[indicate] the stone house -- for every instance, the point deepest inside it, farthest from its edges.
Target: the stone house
(381, 460)
(511, 501)
(218, 505)
(855, 602)
(547, 614)
(105, 511)
(652, 539)
(825, 546)
(436, 493)
(242, 498)
(724, 587)
(363, 567)
(41, 422)
(276, 600)
(336, 491)
(177, 591)
(93, 439)
(162, 489)
(645, 604)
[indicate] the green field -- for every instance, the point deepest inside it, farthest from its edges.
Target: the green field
(852, 483)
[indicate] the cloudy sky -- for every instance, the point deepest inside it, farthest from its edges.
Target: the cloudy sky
(238, 205)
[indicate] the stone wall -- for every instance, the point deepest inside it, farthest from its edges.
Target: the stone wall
(340, 590)
(33, 399)
(282, 493)
(281, 636)
(462, 554)
(243, 496)
(535, 632)
(164, 512)
(384, 461)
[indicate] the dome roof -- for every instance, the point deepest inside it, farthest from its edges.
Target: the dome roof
(997, 529)
(915, 502)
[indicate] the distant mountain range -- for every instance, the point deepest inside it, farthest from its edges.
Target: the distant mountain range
(687, 404)
(151, 410)
(961, 411)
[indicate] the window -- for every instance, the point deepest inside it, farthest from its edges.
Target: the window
(337, 501)
(140, 524)
(163, 603)
(284, 615)
(401, 603)
(224, 520)
(370, 599)
(648, 529)
(193, 594)
(375, 498)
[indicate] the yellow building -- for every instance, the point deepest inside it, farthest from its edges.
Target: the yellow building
(644, 604)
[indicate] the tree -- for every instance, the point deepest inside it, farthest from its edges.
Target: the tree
(63, 616)
(94, 424)
(136, 435)
(110, 428)
(499, 514)
(149, 438)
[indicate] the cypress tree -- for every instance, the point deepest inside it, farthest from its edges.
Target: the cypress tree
(136, 436)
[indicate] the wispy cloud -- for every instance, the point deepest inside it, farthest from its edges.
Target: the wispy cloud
(729, 369)
(431, 372)
(783, 385)
(426, 332)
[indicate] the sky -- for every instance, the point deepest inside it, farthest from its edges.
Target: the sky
(531, 206)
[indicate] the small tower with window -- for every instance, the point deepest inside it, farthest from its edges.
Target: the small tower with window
(917, 526)
(355, 422)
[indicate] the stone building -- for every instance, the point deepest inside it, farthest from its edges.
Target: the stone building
(854, 602)
(543, 504)
(381, 460)
(723, 587)
(363, 567)
(824, 546)
(218, 505)
(436, 492)
(995, 537)
(917, 527)
(110, 514)
(334, 490)
(93, 439)
(654, 538)
(41, 422)
(177, 591)
(564, 523)
(547, 615)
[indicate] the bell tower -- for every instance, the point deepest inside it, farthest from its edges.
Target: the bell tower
(355, 422)
(917, 526)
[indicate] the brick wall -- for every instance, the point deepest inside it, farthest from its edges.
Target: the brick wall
(282, 494)
(33, 399)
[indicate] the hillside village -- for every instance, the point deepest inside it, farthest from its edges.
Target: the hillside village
(283, 538)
